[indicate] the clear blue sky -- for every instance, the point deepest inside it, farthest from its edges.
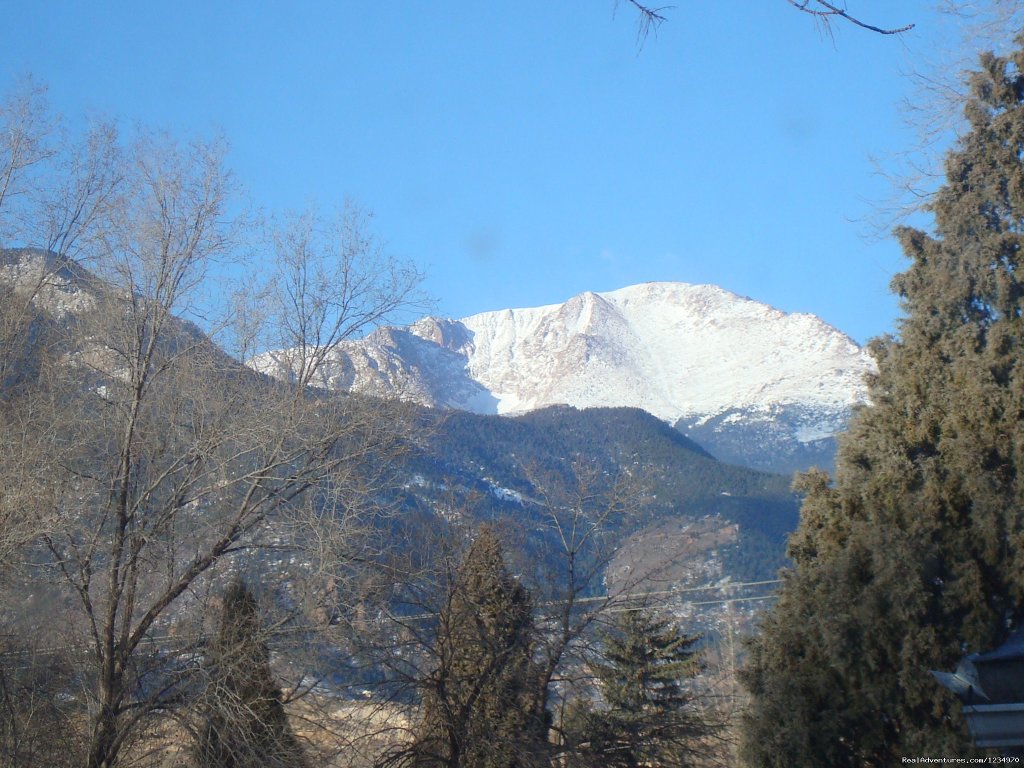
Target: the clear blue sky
(523, 152)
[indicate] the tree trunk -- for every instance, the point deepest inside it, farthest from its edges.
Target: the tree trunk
(103, 748)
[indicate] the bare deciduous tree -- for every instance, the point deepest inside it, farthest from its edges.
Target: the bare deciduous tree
(934, 109)
(160, 460)
(25, 130)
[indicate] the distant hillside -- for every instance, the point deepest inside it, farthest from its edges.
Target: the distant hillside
(495, 460)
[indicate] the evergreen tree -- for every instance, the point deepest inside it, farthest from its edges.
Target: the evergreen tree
(648, 716)
(914, 555)
(244, 722)
(481, 703)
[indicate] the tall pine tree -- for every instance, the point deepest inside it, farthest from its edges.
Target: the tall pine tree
(648, 715)
(482, 703)
(244, 724)
(914, 555)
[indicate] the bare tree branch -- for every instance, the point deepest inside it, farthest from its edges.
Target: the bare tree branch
(826, 11)
(650, 18)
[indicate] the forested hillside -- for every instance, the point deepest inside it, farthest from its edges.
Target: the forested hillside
(511, 463)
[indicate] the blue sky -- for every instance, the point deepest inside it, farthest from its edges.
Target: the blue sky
(521, 153)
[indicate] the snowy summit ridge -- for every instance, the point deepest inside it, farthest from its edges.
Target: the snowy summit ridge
(673, 349)
(689, 354)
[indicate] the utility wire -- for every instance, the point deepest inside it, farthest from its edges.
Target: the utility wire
(617, 604)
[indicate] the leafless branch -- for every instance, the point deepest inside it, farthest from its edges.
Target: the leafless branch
(650, 18)
(825, 11)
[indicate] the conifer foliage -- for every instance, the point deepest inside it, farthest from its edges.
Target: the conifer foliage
(482, 707)
(914, 554)
(648, 716)
(244, 722)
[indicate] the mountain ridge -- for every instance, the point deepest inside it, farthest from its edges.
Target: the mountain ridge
(712, 362)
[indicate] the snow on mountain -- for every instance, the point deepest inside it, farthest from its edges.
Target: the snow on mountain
(56, 285)
(673, 349)
(696, 355)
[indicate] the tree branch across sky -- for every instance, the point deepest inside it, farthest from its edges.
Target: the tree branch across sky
(652, 17)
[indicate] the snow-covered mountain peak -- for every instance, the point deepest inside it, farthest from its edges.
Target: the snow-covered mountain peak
(692, 353)
(675, 349)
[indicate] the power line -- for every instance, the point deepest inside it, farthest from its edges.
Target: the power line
(616, 603)
(673, 591)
